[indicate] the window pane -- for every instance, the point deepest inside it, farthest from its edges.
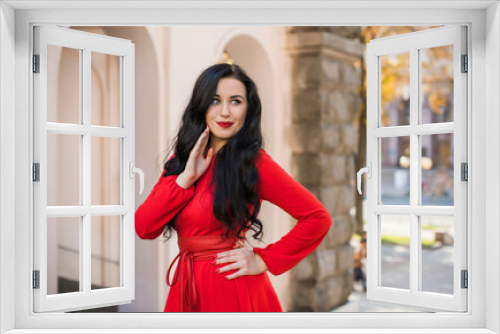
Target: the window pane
(105, 89)
(437, 84)
(395, 170)
(437, 169)
(63, 255)
(395, 252)
(106, 170)
(63, 169)
(63, 84)
(437, 253)
(395, 89)
(105, 252)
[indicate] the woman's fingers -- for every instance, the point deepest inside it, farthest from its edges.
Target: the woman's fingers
(239, 244)
(239, 273)
(226, 259)
(235, 265)
(201, 143)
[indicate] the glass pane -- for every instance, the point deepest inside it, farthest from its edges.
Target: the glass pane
(437, 253)
(395, 170)
(395, 89)
(105, 89)
(437, 84)
(106, 171)
(437, 169)
(105, 252)
(395, 251)
(63, 84)
(63, 169)
(63, 255)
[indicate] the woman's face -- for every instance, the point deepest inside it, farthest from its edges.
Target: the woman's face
(229, 107)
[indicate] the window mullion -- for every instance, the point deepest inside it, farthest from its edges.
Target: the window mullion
(414, 171)
(85, 161)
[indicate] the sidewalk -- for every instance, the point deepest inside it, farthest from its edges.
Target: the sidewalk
(357, 302)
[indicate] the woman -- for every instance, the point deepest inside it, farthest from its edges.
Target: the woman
(211, 192)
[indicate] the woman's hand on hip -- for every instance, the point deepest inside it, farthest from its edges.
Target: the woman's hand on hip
(246, 260)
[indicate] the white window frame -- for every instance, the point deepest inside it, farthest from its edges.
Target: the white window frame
(15, 166)
(412, 43)
(86, 43)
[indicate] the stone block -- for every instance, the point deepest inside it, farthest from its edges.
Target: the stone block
(313, 190)
(306, 168)
(328, 198)
(327, 263)
(340, 232)
(329, 293)
(331, 69)
(345, 258)
(327, 170)
(338, 167)
(303, 297)
(357, 102)
(306, 71)
(306, 137)
(306, 105)
(352, 74)
(348, 200)
(306, 269)
(343, 229)
(337, 199)
(349, 138)
(315, 37)
(351, 172)
(333, 169)
(348, 285)
(331, 136)
(300, 39)
(343, 104)
(350, 32)
(348, 46)
(338, 102)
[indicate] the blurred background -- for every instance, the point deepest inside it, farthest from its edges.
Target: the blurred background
(312, 83)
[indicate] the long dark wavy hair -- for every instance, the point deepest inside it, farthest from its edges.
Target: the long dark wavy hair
(235, 176)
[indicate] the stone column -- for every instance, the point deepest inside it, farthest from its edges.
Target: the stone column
(326, 81)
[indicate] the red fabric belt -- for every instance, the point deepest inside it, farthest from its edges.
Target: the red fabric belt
(194, 249)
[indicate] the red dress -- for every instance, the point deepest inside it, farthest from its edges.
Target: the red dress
(248, 293)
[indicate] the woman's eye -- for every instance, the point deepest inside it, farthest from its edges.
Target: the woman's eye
(214, 101)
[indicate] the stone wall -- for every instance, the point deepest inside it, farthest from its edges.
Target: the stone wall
(326, 81)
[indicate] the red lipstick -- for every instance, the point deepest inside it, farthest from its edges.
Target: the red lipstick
(224, 124)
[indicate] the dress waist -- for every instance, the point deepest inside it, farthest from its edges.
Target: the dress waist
(193, 249)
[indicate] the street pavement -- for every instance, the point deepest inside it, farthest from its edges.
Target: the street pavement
(437, 276)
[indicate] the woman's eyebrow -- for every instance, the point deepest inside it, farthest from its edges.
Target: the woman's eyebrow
(232, 96)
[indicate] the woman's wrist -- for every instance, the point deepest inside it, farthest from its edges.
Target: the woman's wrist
(261, 262)
(184, 180)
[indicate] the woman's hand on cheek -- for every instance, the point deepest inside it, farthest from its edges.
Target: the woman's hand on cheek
(246, 260)
(197, 162)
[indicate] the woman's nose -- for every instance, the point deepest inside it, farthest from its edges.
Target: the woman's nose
(225, 108)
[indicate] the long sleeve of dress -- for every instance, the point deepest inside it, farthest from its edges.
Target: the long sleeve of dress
(165, 200)
(313, 220)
